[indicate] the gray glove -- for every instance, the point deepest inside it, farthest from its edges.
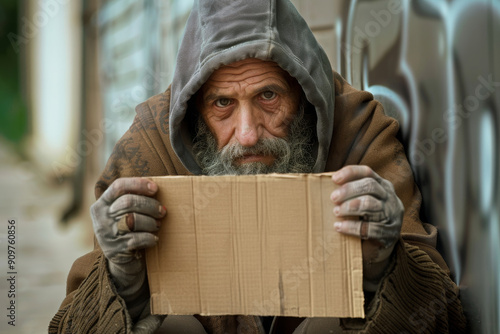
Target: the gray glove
(371, 210)
(124, 220)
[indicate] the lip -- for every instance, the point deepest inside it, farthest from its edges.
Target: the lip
(252, 158)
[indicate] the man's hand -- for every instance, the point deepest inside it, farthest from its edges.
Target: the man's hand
(124, 219)
(371, 210)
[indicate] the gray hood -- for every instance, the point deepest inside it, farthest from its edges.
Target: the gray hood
(220, 32)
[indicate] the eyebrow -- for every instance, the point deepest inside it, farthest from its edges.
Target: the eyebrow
(212, 97)
(271, 87)
(274, 88)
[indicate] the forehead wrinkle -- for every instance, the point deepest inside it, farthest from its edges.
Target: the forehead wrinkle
(229, 89)
(237, 77)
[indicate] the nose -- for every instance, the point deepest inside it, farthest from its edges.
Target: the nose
(249, 127)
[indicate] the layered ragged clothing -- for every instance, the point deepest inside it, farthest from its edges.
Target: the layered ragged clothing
(416, 294)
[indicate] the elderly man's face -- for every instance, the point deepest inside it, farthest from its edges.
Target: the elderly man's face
(248, 101)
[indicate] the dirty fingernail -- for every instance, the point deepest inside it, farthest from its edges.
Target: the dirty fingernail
(335, 195)
(152, 187)
(162, 210)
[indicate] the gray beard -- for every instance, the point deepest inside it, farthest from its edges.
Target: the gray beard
(293, 154)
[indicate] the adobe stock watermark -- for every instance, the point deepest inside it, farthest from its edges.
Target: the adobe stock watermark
(90, 140)
(201, 200)
(87, 144)
(454, 117)
(293, 277)
(150, 83)
(373, 28)
(30, 27)
(420, 319)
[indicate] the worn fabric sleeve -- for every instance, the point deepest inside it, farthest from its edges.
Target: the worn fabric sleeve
(418, 279)
(91, 303)
(417, 296)
(95, 306)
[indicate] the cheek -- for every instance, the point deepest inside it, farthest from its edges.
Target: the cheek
(223, 137)
(278, 123)
(222, 131)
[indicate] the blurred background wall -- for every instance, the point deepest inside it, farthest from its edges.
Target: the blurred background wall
(73, 71)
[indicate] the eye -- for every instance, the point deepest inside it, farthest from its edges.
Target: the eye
(268, 95)
(222, 103)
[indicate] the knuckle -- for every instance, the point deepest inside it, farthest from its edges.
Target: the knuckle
(99, 227)
(94, 208)
(388, 185)
(353, 206)
(95, 214)
(359, 189)
(118, 187)
(99, 230)
(136, 241)
(371, 203)
(370, 185)
(141, 240)
(366, 186)
(132, 243)
(374, 183)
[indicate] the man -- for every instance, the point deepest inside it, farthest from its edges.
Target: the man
(253, 92)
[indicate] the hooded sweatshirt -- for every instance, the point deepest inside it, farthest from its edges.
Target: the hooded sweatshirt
(416, 294)
(222, 32)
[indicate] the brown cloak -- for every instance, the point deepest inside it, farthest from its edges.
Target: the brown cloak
(416, 295)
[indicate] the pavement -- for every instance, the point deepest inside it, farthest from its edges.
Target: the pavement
(44, 248)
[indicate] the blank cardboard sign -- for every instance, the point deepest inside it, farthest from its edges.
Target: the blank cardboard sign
(253, 245)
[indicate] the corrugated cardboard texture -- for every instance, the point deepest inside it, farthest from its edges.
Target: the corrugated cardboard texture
(259, 245)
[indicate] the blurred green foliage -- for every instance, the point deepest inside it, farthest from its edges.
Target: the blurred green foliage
(13, 110)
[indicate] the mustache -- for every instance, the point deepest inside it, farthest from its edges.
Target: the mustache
(276, 147)
(293, 154)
